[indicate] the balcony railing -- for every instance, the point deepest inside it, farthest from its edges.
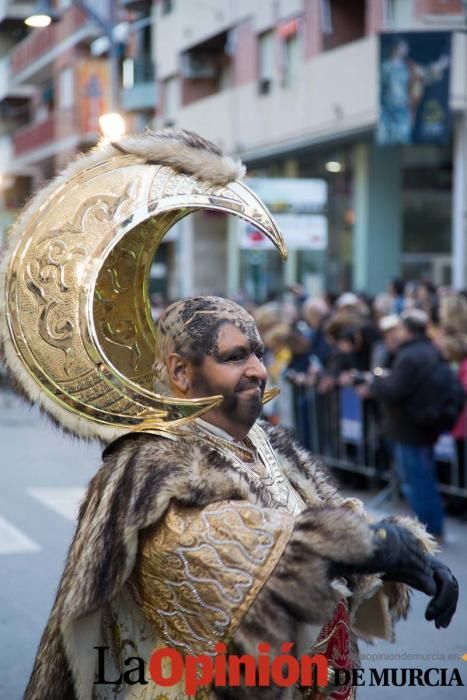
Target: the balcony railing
(30, 48)
(34, 135)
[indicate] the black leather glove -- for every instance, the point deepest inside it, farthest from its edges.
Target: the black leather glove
(399, 557)
(443, 605)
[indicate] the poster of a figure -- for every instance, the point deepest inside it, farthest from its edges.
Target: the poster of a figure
(414, 88)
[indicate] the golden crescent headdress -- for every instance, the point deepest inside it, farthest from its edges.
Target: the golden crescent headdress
(76, 327)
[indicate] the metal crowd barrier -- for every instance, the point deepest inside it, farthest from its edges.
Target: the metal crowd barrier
(346, 432)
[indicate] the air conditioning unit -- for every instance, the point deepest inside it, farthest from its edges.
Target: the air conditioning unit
(198, 65)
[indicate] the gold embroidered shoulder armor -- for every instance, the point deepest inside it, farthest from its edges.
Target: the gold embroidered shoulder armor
(199, 570)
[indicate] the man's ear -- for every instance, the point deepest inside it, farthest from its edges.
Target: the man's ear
(180, 372)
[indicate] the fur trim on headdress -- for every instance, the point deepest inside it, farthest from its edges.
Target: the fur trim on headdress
(185, 152)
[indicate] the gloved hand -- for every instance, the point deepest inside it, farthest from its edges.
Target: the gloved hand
(443, 605)
(399, 557)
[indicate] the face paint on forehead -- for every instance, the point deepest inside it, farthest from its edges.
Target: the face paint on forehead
(248, 329)
(191, 327)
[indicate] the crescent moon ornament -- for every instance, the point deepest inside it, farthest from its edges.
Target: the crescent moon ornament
(76, 326)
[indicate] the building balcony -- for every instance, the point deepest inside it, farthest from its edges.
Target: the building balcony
(8, 89)
(32, 58)
(34, 136)
(141, 97)
(32, 48)
(141, 93)
(61, 133)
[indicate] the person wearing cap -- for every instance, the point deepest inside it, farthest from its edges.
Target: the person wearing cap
(409, 381)
(384, 351)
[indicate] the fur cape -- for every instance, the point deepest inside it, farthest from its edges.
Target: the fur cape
(139, 477)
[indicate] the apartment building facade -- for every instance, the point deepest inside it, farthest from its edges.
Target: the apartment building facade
(58, 78)
(289, 86)
(292, 88)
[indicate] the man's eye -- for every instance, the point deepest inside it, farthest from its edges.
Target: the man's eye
(235, 358)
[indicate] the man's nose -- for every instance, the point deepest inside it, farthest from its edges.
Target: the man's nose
(256, 368)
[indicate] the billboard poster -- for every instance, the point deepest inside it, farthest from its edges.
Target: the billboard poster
(414, 75)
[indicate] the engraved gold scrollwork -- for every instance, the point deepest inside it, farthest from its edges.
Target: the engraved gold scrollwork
(78, 313)
(199, 570)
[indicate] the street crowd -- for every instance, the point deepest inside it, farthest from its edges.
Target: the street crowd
(404, 353)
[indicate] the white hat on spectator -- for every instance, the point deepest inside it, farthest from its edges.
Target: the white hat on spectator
(383, 304)
(387, 323)
(347, 299)
(416, 320)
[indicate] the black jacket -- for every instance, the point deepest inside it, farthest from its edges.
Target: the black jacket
(408, 382)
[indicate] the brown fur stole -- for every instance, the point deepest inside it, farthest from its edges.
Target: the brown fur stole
(139, 477)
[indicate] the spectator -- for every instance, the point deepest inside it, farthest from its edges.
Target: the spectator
(384, 351)
(397, 293)
(452, 341)
(315, 313)
(409, 386)
(352, 337)
(276, 359)
(348, 301)
(454, 348)
(383, 305)
(427, 299)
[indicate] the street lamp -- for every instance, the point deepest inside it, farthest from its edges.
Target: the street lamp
(333, 166)
(41, 16)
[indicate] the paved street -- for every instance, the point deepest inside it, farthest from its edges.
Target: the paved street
(41, 481)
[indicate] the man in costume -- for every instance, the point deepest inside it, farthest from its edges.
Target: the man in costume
(202, 525)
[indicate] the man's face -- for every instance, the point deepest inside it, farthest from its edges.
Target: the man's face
(393, 338)
(313, 317)
(345, 346)
(236, 370)
(404, 334)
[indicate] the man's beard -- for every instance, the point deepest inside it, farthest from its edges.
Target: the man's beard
(242, 410)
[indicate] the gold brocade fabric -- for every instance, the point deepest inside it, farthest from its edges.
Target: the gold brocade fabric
(200, 569)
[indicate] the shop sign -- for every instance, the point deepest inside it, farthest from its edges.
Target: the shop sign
(300, 231)
(299, 209)
(287, 194)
